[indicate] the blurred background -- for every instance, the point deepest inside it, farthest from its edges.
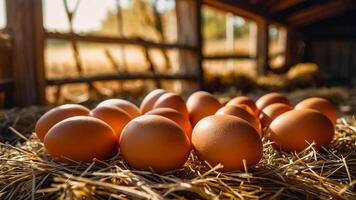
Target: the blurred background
(57, 51)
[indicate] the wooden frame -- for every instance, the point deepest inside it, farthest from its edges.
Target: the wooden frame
(319, 12)
(262, 23)
(25, 23)
(25, 26)
(122, 76)
(229, 56)
(6, 83)
(118, 40)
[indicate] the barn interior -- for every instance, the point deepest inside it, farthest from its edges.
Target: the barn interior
(55, 52)
(254, 45)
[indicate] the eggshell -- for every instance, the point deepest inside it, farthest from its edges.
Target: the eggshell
(56, 115)
(154, 142)
(171, 100)
(115, 117)
(127, 106)
(295, 130)
(240, 112)
(244, 100)
(150, 99)
(174, 115)
(227, 140)
(81, 139)
(322, 105)
(201, 104)
(272, 111)
(248, 109)
(271, 98)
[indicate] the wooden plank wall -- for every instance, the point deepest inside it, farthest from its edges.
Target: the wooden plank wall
(5, 70)
(336, 58)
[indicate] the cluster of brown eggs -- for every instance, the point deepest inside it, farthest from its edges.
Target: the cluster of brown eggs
(161, 133)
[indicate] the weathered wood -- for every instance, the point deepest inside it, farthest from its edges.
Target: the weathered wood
(25, 23)
(243, 8)
(118, 40)
(189, 32)
(335, 59)
(262, 46)
(122, 76)
(5, 56)
(320, 12)
(342, 33)
(6, 85)
(280, 5)
(353, 63)
(291, 44)
(228, 56)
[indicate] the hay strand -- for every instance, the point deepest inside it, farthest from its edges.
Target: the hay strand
(27, 172)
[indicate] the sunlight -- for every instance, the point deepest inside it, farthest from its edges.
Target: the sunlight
(89, 16)
(2, 14)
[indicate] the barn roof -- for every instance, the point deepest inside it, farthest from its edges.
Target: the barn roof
(295, 13)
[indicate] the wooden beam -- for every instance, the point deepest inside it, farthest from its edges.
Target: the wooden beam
(291, 44)
(6, 85)
(343, 32)
(243, 8)
(188, 13)
(262, 46)
(25, 24)
(320, 12)
(280, 5)
(118, 40)
(229, 56)
(122, 76)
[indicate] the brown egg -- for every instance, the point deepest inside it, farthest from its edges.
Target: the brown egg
(239, 112)
(322, 105)
(150, 99)
(124, 105)
(272, 111)
(113, 116)
(154, 142)
(175, 116)
(171, 100)
(56, 115)
(227, 140)
(296, 129)
(271, 98)
(244, 100)
(81, 139)
(202, 104)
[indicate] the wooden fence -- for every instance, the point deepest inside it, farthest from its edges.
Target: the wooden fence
(25, 36)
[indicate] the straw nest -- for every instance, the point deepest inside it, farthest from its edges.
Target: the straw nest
(27, 172)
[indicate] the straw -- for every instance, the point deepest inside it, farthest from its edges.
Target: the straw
(28, 172)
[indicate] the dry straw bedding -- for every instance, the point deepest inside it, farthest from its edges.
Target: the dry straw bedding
(27, 172)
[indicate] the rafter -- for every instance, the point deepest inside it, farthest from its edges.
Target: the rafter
(243, 8)
(280, 5)
(320, 12)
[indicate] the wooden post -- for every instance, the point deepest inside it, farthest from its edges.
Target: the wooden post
(25, 24)
(262, 46)
(290, 48)
(5, 69)
(189, 32)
